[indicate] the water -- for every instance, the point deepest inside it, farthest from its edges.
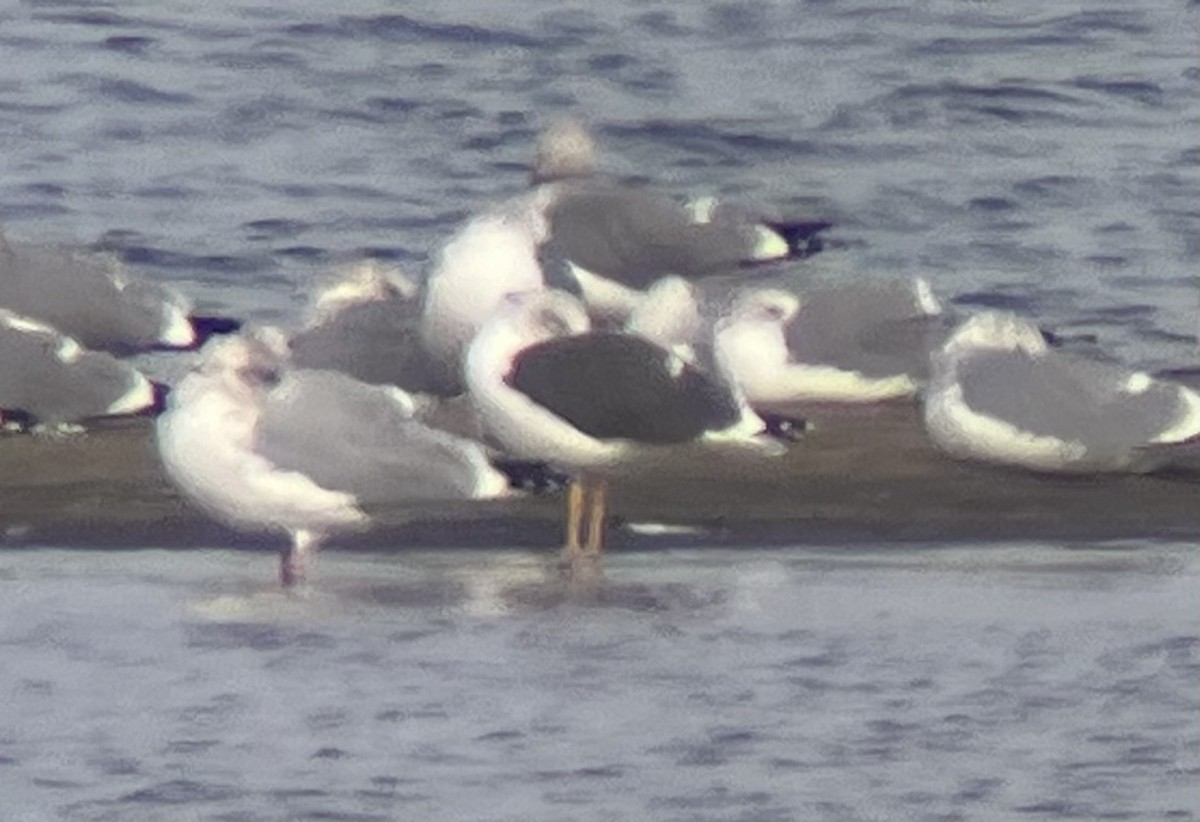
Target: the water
(1033, 156)
(1036, 157)
(1000, 682)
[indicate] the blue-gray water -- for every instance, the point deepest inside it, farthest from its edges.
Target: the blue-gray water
(999, 682)
(1021, 154)
(1028, 155)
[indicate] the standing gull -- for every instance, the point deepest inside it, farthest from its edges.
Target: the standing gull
(49, 379)
(303, 451)
(999, 393)
(94, 300)
(549, 388)
(495, 253)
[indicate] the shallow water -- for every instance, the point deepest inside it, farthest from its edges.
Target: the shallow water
(1005, 682)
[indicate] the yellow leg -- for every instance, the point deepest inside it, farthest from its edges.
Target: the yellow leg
(575, 502)
(596, 514)
(585, 568)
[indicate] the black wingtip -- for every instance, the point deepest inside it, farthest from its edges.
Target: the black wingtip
(803, 238)
(532, 477)
(207, 327)
(204, 328)
(161, 392)
(16, 420)
(784, 428)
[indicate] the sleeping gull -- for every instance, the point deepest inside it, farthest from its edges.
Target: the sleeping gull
(618, 239)
(53, 381)
(844, 343)
(999, 393)
(549, 388)
(94, 300)
(365, 322)
(304, 451)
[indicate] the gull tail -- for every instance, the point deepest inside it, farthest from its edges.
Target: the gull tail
(802, 238)
(200, 329)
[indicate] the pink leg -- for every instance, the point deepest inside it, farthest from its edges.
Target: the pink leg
(294, 559)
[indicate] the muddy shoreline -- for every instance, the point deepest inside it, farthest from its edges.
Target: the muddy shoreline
(863, 477)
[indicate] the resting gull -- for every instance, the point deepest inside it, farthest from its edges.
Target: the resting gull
(845, 343)
(50, 379)
(549, 388)
(94, 300)
(307, 452)
(999, 393)
(365, 322)
(617, 239)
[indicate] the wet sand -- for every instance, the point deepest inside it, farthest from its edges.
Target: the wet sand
(865, 476)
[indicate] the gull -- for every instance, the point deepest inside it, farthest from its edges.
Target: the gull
(51, 380)
(94, 300)
(547, 387)
(999, 393)
(846, 343)
(616, 239)
(365, 322)
(307, 452)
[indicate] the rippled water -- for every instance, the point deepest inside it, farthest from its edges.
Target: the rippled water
(1027, 155)
(1031, 156)
(999, 682)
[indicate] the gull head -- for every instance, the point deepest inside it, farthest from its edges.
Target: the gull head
(997, 331)
(251, 361)
(774, 306)
(669, 314)
(564, 150)
(363, 282)
(545, 315)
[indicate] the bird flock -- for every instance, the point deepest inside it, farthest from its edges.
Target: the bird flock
(577, 326)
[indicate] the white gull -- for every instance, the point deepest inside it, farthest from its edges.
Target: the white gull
(305, 452)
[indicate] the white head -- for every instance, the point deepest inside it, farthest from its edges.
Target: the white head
(668, 315)
(362, 282)
(995, 330)
(773, 306)
(246, 362)
(522, 320)
(545, 315)
(564, 149)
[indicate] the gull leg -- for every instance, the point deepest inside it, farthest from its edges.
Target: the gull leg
(576, 497)
(583, 571)
(294, 559)
(599, 506)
